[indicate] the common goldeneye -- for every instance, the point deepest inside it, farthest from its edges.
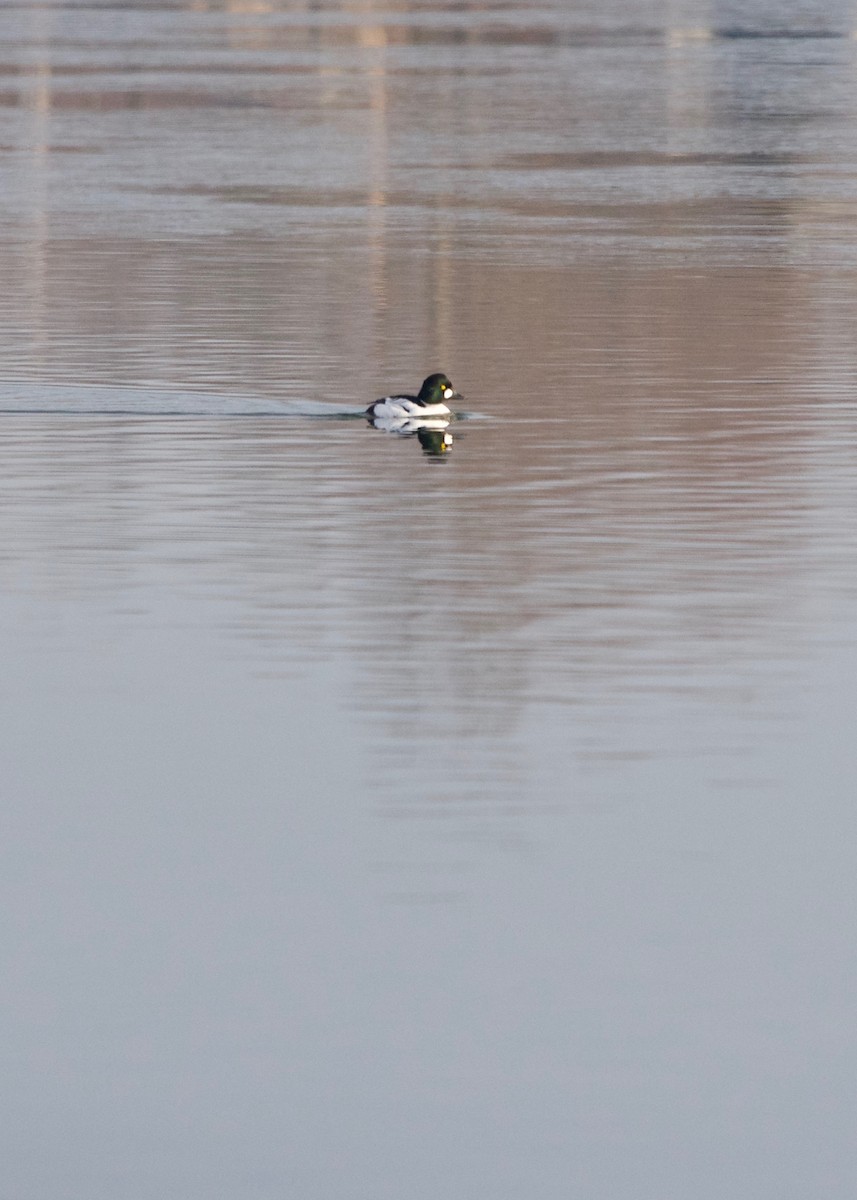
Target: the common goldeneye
(431, 402)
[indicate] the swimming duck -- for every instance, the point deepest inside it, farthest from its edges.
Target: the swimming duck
(431, 402)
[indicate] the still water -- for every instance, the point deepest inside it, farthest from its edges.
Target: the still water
(388, 823)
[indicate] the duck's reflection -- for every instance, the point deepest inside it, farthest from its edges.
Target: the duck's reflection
(433, 433)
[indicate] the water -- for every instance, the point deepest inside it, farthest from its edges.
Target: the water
(381, 821)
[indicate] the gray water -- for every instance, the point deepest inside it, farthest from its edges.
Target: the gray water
(388, 823)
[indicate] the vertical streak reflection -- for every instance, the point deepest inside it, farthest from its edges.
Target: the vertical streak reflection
(37, 99)
(373, 38)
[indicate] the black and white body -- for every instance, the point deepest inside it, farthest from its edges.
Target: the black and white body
(431, 401)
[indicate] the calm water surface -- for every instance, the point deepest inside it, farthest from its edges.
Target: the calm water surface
(380, 824)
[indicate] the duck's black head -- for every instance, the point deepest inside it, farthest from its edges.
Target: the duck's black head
(437, 390)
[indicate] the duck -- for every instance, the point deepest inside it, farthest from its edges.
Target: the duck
(431, 401)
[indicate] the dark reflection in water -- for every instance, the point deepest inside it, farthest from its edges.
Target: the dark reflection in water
(427, 811)
(434, 435)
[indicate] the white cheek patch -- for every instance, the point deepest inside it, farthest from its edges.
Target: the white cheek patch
(447, 393)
